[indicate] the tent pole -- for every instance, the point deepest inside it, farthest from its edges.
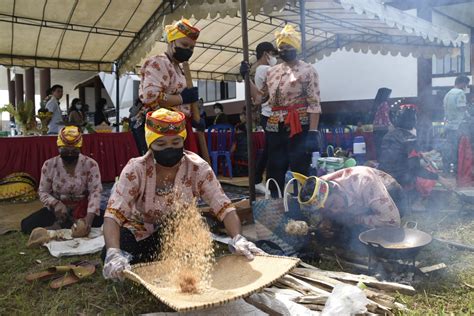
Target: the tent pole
(248, 102)
(117, 98)
(303, 28)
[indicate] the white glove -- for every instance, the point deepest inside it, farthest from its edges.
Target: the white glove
(116, 261)
(241, 246)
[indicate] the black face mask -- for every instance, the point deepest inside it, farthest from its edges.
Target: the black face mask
(287, 55)
(68, 159)
(182, 54)
(168, 157)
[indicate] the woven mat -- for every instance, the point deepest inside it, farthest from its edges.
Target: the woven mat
(237, 181)
(233, 277)
(11, 214)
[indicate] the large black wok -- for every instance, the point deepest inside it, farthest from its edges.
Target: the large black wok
(395, 243)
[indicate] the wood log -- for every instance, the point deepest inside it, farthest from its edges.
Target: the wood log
(301, 286)
(433, 268)
(305, 287)
(312, 299)
(314, 307)
(288, 293)
(367, 280)
(314, 278)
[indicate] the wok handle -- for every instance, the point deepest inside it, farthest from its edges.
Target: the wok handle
(375, 244)
(413, 223)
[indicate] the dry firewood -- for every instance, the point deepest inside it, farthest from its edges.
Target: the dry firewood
(288, 293)
(367, 280)
(433, 268)
(312, 276)
(312, 299)
(301, 286)
(314, 307)
(305, 287)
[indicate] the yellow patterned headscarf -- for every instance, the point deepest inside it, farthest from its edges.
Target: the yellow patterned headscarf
(70, 136)
(181, 29)
(164, 122)
(289, 36)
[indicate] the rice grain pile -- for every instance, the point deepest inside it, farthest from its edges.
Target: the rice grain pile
(187, 252)
(298, 228)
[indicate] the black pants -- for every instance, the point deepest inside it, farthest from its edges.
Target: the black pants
(262, 162)
(46, 217)
(286, 153)
(145, 250)
(378, 139)
(139, 136)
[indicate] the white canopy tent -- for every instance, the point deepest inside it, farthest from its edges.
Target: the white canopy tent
(359, 25)
(93, 34)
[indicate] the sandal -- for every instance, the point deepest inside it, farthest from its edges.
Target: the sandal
(52, 272)
(48, 273)
(74, 275)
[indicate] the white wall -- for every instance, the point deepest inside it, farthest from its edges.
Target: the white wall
(356, 76)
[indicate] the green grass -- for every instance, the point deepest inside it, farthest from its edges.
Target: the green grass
(92, 296)
(448, 291)
(442, 293)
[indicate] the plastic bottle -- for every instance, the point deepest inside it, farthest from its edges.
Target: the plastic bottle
(359, 150)
(314, 159)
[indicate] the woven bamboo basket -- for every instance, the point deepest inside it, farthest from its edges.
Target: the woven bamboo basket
(233, 277)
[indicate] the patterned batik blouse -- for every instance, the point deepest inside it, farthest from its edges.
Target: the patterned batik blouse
(58, 185)
(369, 202)
(291, 87)
(136, 204)
(160, 75)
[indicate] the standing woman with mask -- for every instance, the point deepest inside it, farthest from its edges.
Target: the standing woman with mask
(76, 117)
(147, 189)
(163, 83)
(70, 187)
(292, 89)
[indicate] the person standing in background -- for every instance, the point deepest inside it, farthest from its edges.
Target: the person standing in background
(266, 58)
(99, 115)
(163, 83)
(292, 89)
(137, 124)
(76, 117)
(53, 106)
(221, 117)
(380, 117)
(455, 111)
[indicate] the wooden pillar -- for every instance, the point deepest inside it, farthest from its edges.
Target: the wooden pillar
(30, 85)
(97, 89)
(18, 88)
(471, 42)
(11, 88)
(45, 81)
(82, 94)
(424, 65)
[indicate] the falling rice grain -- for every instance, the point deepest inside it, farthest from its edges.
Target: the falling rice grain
(187, 252)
